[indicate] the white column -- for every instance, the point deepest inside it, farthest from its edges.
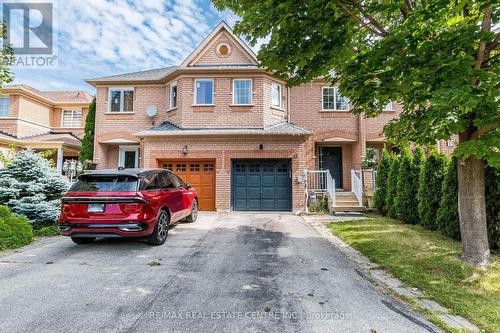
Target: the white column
(59, 163)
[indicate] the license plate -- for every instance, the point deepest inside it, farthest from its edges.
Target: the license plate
(96, 208)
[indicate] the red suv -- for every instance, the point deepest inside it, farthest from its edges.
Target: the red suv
(126, 203)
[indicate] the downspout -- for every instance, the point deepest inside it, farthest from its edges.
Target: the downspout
(288, 104)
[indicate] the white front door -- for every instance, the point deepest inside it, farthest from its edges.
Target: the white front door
(128, 157)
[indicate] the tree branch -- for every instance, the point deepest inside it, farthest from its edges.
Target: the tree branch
(360, 21)
(485, 27)
(370, 18)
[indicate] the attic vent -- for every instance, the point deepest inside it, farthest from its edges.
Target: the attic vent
(223, 50)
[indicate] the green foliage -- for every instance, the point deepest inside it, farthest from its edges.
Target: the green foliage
(447, 216)
(14, 230)
(30, 187)
(51, 230)
(392, 182)
(369, 160)
(492, 189)
(407, 188)
(430, 189)
(87, 151)
(6, 57)
(321, 206)
(381, 182)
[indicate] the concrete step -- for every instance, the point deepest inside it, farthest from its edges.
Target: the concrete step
(347, 209)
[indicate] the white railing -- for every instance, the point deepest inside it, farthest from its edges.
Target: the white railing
(357, 185)
(319, 181)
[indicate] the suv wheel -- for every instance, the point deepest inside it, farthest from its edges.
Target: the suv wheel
(83, 240)
(160, 233)
(194, 212)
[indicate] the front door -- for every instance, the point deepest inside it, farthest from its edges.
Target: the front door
(331, 159)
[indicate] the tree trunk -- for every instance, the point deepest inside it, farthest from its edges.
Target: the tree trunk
(472, 212)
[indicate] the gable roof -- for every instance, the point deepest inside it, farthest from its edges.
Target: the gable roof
(147, 75)
(52, 97)
(221, 28)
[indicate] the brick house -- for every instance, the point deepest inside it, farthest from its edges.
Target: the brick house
(42, 120)
(235, 132)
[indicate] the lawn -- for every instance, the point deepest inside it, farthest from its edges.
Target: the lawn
(430, 262)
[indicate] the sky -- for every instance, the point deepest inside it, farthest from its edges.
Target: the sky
(105, 37)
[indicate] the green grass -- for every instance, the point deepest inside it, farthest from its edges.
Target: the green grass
(430, 262)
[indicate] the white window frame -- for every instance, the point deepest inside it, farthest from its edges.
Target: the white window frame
(8, 105)
(280, 95)
(196, 91)
(251, 92)
(171, 102)
(391, 108)
(72, 118)
(335, 91)
(121, 155)
(122, 99)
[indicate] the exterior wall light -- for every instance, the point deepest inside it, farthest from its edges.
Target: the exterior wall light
(185, 149)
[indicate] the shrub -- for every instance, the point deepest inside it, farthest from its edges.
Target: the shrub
(492, 191)
(51, 230)
(430, 187)
(369, 160)
(392, 182)
(447, 216)
(381, 182)
(30, 187)
(87, 151)
(407, 188)
(14, 230)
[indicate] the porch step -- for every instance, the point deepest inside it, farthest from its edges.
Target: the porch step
(346, 202)
(337, 209)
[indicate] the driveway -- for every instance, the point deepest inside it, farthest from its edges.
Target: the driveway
(225, 273)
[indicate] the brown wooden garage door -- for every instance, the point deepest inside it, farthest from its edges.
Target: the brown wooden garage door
(200, 174)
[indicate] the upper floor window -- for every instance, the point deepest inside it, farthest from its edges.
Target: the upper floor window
(242, 91)
(4, 106)
(333, 100)
(276, 95)
(173, 95)
(204, 92)
(388, 107)
(121, 100)
(71, 118)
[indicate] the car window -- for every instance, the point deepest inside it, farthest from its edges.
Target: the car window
(166, 181)
(89, 183)
(150, 182)
(177, 181)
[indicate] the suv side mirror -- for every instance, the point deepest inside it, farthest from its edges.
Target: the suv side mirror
(188, 186)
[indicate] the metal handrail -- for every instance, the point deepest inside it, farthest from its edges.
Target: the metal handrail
(357, 185)
(320, 181)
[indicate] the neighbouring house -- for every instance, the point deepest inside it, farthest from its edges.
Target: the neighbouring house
(236, 133)
(43, 120)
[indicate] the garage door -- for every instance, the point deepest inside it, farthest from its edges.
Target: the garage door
(261, 185)
(200, 174)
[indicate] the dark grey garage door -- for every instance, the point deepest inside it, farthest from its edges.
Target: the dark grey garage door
(261, 185)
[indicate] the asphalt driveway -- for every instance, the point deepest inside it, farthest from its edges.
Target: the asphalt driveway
(224, 273)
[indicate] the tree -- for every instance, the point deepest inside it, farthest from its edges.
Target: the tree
(406, 188)
(30, 187)
(447, 215)
(6, 58)
(392, 182)
(381, 182)
(438, 58)
(430, 187)
(87, 151)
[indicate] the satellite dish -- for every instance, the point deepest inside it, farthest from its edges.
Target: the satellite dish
(151, 111)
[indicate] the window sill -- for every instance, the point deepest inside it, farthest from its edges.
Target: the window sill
(335, 111)
(202, 105)
(241, 105)
(172, 109)
(277, 108)
(70, 128)
(118, 113)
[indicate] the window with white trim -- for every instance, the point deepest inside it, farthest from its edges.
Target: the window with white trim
(121, 100)
(276, 95)
(388, 107)
(204, 92)
(242, 91)
(333, 101)
(71, 118)
(4, 106)
(173, 95)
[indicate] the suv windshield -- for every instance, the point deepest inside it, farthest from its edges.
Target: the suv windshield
(105, 184)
